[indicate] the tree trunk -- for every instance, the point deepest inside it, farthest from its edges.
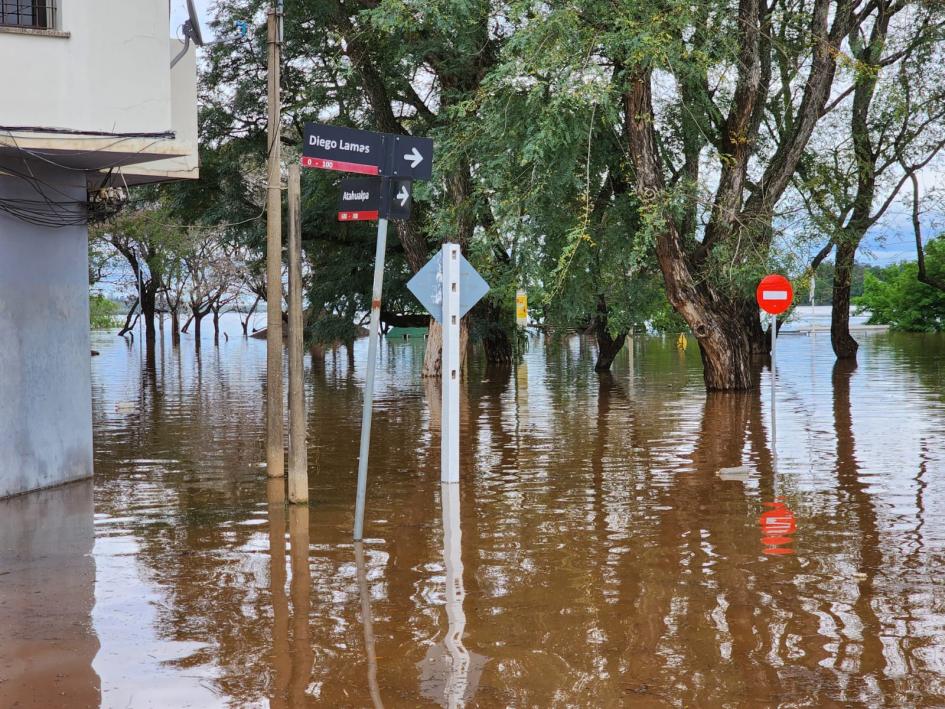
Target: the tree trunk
(607, 346)
(149, 296)
(844, 346)
(249, 315)
(496, 341)
(607, 350)
(175, 328)
(129, 324)
(432, 350)
(216, 326)
(197, 317)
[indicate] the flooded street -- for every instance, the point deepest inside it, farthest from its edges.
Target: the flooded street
(591, 555)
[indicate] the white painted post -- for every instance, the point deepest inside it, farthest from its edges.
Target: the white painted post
(449, 426)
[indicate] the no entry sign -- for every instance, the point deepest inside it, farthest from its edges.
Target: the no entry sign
(367, 152)
(774, 294)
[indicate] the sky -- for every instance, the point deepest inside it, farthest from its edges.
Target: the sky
(179, 15)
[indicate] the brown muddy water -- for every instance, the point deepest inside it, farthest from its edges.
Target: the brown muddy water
(591, 555)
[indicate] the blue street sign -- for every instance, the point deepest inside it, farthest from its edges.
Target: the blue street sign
(427, 286)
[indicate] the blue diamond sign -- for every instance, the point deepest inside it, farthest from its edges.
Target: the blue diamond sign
(427, 285)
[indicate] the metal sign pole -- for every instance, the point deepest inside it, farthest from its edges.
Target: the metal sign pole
(369, 382)
(774, 376)
(449, 446)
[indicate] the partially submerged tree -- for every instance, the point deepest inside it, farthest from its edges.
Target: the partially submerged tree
(891, 126)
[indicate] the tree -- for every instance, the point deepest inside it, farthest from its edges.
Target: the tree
(149, 245)
(892, 127)
(895, 296)
(378, 66)
(708, 280)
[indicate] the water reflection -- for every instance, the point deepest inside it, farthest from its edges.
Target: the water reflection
(300, 590)
(777, 528)
(281, 655)
(603, 559)
(449, 673)
(367, 621)
(47, 581)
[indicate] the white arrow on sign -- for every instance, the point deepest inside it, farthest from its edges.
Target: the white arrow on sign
(403, 195)
(414, 157)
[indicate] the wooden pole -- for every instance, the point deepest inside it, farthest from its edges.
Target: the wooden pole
(275, 450)
(298, 458)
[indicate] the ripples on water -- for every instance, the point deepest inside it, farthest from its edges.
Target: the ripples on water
(591, 556)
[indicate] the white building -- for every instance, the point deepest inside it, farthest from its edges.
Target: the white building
(88, 99)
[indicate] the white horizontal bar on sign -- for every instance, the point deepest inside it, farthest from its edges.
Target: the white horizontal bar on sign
(774, 295)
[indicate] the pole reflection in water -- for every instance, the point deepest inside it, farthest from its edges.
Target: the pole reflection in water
(300, 588)
(281, 657)
(368, 623)
(449, 674)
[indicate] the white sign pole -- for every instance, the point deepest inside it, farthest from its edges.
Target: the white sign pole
(449, 425)
(369, 380)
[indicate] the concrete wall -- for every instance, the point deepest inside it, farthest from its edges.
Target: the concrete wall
(45, 368)
(111, 73)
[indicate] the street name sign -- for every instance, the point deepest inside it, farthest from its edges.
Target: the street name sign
(360, 199)
(410, 156)
(774, 294)
(343, 149)
(373, 198)
(367, 152)
(427, 286)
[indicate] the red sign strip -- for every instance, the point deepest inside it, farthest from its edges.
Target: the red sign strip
(357, 216)
(340, 166)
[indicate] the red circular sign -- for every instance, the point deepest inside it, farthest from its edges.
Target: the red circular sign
(774, 294)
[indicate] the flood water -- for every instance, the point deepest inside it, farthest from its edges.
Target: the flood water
(590, 556)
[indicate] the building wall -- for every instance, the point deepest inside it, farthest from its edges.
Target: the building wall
(184, 124)
(45, 368)
(110, 74)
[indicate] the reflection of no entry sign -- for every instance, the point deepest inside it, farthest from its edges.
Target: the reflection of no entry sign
(774, 294)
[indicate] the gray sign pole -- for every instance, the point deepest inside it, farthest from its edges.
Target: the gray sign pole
(369, 383)
(774, 377)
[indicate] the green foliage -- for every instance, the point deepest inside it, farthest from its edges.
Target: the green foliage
(103, 313)
(895, 297)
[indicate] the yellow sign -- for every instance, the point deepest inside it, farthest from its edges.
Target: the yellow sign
(521, 308)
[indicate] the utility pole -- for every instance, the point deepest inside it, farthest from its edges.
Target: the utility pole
(298, 458)
(275, 452)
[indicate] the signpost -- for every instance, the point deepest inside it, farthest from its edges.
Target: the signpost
(774, 295)
(448, 286)
(370, 198)
(521, 308)
(367, 152)
(397, 160)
